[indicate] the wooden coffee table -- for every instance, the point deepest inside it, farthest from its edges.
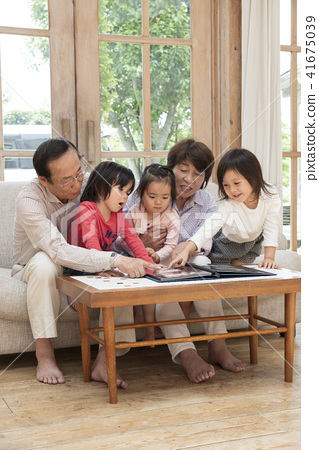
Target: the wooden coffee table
(98, 292)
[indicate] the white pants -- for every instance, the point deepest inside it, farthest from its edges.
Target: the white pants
(43, 300)
(172, 311)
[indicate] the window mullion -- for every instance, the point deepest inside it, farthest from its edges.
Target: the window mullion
(146, 82)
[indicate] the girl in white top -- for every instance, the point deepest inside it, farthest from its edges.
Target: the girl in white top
(248, 214)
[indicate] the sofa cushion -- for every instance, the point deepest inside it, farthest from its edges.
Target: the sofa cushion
(8, 195)
(13, 304)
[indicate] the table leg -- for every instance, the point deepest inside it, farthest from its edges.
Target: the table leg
(253, 325)
(84, 319)
(109, 339)
(290, 311)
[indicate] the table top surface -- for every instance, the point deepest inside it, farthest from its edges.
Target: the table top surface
(97, 291)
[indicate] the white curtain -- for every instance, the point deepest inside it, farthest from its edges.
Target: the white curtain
(261, 113)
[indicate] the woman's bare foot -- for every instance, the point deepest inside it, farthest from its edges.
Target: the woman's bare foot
(99, 370)
(218, 353)
(47, 369)
(73, 303)
(196, 368)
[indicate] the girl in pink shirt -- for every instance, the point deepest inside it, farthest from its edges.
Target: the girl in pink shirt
(154, 213)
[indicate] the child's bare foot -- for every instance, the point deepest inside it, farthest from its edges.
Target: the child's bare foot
(47, 368)
(99, 370)
(138, 314)
(218, 353)
(159, 332)
(149, 335)
(73, 303)
(186, 308)
(196, 368)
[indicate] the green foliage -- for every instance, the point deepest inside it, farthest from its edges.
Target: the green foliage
(170, 19)
(121, 72)
(38, 48)
(39, 12)
(122, 77)
(17, 117)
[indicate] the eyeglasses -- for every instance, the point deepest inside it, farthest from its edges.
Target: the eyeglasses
(79, 177)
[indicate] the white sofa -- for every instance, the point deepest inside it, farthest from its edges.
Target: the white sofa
(15, 332)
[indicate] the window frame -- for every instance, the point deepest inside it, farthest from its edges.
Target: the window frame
(62, 74)
(294, 155)
(87, 69)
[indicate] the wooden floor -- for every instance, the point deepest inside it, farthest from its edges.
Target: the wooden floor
(160, 409)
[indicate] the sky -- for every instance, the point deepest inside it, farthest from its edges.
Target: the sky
(27, 88)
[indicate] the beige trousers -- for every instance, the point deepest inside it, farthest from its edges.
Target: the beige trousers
(204, 308)
(43, 300)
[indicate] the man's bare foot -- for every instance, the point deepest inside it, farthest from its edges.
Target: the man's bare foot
(73, 303)
(196, 368)
(99, 370)
(218, 353)
(47, 369)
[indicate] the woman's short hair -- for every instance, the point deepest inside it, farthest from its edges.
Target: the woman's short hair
(245, 163)
(195, 152)
(157, 173)
(48, 151)
(106, 175)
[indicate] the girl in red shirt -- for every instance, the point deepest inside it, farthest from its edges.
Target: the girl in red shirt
(100, 220)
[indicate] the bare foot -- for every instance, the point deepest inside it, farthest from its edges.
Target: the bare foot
(73, 303)
(149, 335)
(159, 332)
(196, 368)
(218, 353)
(47, 369)
(99, 370)
(138, 314)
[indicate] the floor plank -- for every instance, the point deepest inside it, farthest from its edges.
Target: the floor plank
(160, 409)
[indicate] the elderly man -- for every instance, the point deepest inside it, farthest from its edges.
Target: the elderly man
(44, 208)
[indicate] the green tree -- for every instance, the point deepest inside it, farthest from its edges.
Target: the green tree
(18, 117)
(121, 70)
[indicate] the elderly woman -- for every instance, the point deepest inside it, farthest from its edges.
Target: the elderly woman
(192, 163)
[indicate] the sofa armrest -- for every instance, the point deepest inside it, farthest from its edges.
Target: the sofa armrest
(286, 259)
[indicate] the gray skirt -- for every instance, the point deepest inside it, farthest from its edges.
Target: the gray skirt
(223, 250)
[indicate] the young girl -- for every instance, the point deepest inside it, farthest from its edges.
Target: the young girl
(100, 220)
(248, 214)
(154, 213)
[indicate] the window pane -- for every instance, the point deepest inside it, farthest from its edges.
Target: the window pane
(299, 22)
(120, 17)
(285, 100)
(286, 166)
(170, 18)
(25, 83)
(298, 102)
(26, 101)
(18, 169)
(285, 22)
(170, 95)
(121, 96)
(299, 205)
(24, 14)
